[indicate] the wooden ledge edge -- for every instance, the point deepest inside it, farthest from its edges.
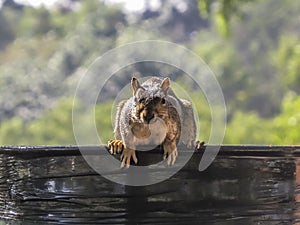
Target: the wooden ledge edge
(223, 150)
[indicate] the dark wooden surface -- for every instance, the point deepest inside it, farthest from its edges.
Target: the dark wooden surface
(243, 185)
(230, 150)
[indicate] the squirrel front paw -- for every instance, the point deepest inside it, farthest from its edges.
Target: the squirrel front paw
(170, 153)
(126, 157)
(115, 146)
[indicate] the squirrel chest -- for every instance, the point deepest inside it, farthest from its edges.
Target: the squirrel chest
(156, 131)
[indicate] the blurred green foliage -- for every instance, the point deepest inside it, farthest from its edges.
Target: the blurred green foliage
(55, 127)
(286, 60)
(221, 12)
(253, 47)
(282, 129)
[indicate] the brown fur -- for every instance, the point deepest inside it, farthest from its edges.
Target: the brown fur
(154, 115)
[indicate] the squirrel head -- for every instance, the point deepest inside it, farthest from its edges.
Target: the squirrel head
(150, 99)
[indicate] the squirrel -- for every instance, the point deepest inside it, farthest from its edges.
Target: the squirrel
(153, 115)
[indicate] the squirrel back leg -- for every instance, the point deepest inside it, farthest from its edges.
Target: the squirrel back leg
(119, 145)
(117, 131)
(116, 145)
(189, 128)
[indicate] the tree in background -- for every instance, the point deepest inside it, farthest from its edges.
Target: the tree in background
(253, 48)
(222, 11)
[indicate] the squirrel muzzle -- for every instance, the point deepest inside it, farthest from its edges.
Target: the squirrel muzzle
(149, 109)
(147, 116)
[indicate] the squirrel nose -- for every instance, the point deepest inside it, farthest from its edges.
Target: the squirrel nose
(148, 117)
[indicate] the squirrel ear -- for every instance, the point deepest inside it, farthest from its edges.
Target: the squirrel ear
(165, 84)
(135, 84)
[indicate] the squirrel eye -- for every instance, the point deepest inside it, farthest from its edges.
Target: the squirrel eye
(141, 100)
(163, 101)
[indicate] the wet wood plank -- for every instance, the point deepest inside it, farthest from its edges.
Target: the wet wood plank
(243, 185)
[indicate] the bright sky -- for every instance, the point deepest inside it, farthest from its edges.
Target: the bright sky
(130, 5)
(37, 2)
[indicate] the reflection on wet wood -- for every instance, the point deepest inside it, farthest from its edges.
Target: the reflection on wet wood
(244, 184)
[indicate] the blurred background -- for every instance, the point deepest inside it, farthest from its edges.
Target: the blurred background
(253, 47)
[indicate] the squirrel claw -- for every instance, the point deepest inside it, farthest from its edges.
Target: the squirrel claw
(126, 157)
(115, 146)
(165, 156)
(199, 145)
(171, 157)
